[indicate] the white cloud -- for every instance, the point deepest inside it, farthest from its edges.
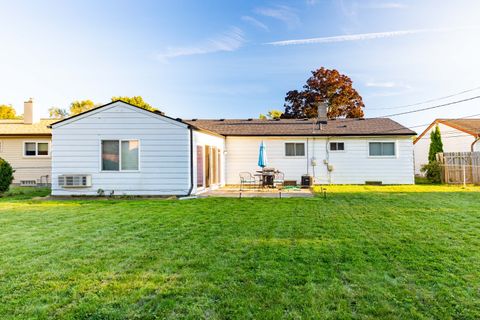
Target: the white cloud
(230, 40)
(362, 36)
(387, 84)
(386, 5)
(283, 13)
(255, 23)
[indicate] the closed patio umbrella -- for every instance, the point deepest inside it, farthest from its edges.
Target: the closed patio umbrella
(262, 155)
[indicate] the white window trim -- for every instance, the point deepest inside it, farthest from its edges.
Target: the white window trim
(120, 155)
(294, 157)
(36, 149)
(395, 142)
(337, 151)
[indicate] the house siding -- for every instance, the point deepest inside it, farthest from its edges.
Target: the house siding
(453, 140)
(352, 166)
(164, 156)
(26, 168)
(205, 139)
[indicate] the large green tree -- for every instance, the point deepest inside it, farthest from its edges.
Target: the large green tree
(80, 106)
(136, 101)
(7, 112)
(325, 86)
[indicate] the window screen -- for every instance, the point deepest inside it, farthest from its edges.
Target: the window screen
(295, 149)
(130, 155)
(110, 155)
(378, 149)
(30, 149)
(42, 149)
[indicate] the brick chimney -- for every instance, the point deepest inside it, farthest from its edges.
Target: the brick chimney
(28, 112)
(322, 112)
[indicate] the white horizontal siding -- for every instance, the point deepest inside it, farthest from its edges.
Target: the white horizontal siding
(26, 168)
(205, 139)
(353, 166)
(164, 152)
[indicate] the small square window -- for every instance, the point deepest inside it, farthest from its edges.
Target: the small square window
(42, 149)
(295, 149)
(30, 149)
(337, 146)
(120, 155)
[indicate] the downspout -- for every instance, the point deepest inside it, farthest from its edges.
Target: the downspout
(191, 162)
(473, 143)
(308, 159)
(327, 150)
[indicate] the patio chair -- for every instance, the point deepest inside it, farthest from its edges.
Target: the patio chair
(247, 179)
(279, 178)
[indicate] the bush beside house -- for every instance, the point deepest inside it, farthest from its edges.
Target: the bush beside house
(6, 175)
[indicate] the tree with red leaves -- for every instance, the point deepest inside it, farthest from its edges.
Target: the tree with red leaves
(325, 86)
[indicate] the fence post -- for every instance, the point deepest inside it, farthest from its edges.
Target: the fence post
(464, 176)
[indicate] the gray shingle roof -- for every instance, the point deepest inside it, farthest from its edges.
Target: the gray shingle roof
(302, 127)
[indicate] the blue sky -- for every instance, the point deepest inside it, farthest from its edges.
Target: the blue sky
(236, 59)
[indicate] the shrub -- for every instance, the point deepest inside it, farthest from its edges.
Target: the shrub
(6, 175)
(433, 172)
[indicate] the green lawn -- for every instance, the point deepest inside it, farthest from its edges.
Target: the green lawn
(364, 252)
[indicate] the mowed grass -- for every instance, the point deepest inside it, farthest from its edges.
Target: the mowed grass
(400, 252)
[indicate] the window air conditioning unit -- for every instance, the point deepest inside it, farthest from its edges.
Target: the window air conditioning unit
(75, 181)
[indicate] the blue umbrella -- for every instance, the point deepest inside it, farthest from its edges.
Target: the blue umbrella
(262, 155)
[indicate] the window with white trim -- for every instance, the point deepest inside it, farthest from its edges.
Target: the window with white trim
(381, 149)
(36, 149)
(295, 149)
(337, 146)
(120, 155)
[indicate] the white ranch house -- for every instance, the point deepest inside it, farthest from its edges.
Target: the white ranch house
(128, 150)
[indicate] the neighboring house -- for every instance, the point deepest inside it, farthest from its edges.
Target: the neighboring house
(128, 150)
(458, 135)
(25, 144)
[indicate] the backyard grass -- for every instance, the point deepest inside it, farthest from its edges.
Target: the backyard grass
(399, 252)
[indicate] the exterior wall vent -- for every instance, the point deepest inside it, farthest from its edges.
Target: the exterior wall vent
(28, 183)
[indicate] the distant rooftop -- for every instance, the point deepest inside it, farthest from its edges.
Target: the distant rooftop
(302, 127)
(17, 127)
(471, 126)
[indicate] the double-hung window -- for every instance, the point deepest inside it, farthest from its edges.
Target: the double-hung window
(295, 149)
(36, 149)
(381, 149)
(120, 155)
(337, 146)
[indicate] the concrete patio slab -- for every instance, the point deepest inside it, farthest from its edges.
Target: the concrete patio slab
(268, 193)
